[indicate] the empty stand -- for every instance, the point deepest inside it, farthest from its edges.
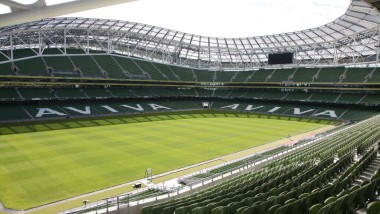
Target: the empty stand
(9, 94)
(323, 97)
(130, 67)
(108, 64)
(371, 99)
(224, 76)
(329, 74)
(150, 69)
(21, 53)
(374, 76)
(97, 93)
(6, 69)
(281, 75)
(357, 74)
(32, 67)
(36, 93)
(261, 75)
(242, 76)
(69, 93)
(350, 98)
(122, 93)
(305, 74)
(303, 96)
(204, 75)
(61, 66)
(184, 74)
(167, 71)
(87, 66)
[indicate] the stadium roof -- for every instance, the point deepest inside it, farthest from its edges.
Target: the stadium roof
(352, 38)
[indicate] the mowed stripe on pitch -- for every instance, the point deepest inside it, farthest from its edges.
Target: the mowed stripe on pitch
(42, 167)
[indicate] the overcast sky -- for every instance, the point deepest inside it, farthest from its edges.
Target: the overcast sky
(222, 18)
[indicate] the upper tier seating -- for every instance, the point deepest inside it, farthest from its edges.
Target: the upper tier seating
(6, 69)
(36, 93)
(132, 69)
(224, 76)
(61, 66)
(357, 75)
(9, 94)
(184, 74)
(281, 75)
(375, 76)
(261, 75)
(242, 76)
(108, 64)
(87, 66)
(329, 74)
(305, 74)
(32, 67)
(204, 75)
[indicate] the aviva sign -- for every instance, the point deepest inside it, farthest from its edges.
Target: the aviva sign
(113, 108)
(295, 110)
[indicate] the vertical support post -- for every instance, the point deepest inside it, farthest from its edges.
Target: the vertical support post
(88, 42)
(108, 43)
(39, 43)
(64, 41)
(11, 42)
(378, 44)
(107, 204)
(335, 55)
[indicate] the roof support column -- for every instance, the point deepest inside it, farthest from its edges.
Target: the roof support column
(378, 45)
(11, 43)
(335, 55)
(88, 42)
(39, 43)
(64, 41)
(108, 43)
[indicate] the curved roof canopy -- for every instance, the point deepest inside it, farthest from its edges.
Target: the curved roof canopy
(351, 39)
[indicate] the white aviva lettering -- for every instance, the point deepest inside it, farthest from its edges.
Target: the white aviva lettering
(86, 110)
(233, 106)
(296, 111)
(330, 113)
(137, 108)
(155, 106)
(250, 107)
(48, 111)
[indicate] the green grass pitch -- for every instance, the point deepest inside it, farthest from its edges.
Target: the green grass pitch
(41, 167)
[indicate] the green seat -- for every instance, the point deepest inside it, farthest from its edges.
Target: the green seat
(327, 209)
(315, 208)
(241, 209)
(339, 205)
(290, 201)
(182, 210)
(373, 207)
(146, 210)
(221, 210)
(273, 208)
(330, 200)
(350, 202)
(283, 209)
(156, 209)
(303, 195)
(247, 210)
(168, 210)
(199, 210)
(234, 206)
